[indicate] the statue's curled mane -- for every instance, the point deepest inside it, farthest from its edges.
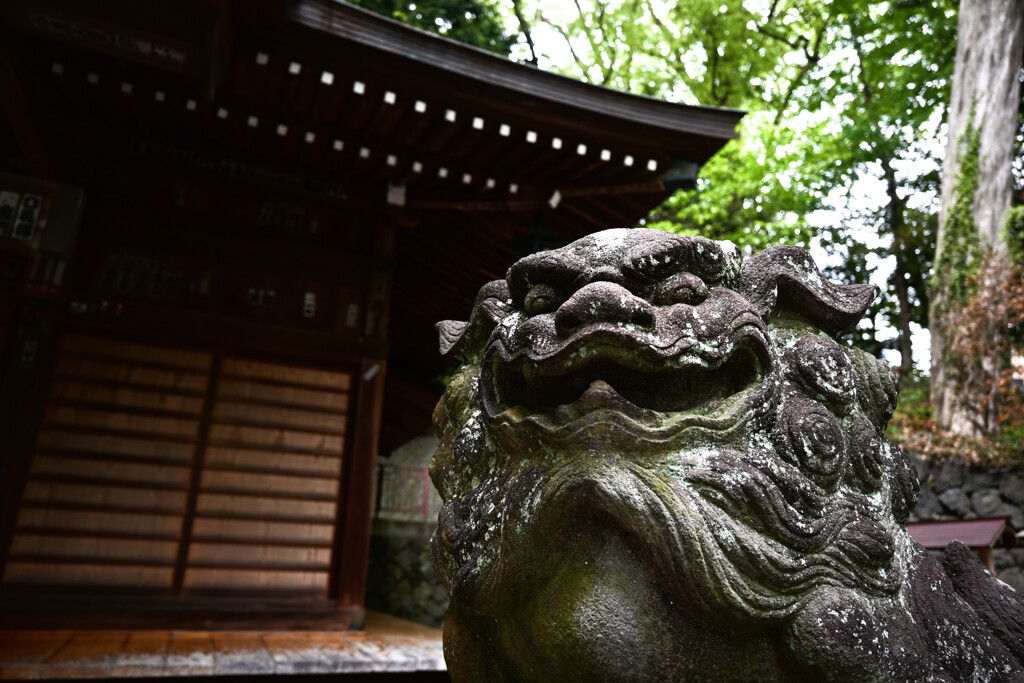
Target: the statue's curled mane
(700, 409)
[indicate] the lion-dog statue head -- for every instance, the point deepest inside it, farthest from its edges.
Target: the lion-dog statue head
(658, 463)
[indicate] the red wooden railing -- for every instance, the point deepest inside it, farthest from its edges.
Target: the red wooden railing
(404, 493)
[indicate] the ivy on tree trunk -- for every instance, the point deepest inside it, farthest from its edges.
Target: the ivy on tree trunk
(976, 189)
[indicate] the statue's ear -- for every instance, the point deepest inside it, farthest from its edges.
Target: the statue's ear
(786, 279)
(492, 304)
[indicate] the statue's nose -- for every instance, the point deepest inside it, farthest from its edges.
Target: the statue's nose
(603, 302)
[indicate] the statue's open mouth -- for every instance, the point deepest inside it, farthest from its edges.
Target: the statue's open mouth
(610, 371)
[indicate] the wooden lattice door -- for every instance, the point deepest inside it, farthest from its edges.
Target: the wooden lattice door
(182, 471)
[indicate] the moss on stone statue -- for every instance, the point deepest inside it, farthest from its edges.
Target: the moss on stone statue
(673, 469)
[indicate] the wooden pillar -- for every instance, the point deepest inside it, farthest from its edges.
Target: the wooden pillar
(985, 555)
(24, 376)
(356, 513)
(27, 352)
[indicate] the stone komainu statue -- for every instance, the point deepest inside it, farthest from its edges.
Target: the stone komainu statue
(658, 464)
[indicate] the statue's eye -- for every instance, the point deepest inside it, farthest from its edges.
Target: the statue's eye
(681, 288)
(541, 299)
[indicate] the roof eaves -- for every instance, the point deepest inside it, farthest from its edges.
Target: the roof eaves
(379, 33)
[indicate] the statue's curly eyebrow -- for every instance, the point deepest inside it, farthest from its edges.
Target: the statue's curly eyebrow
(545, 267)
(656, 259)
(653, 260)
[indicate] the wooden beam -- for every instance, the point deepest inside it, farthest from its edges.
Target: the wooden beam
(164, 35)
(469, 204)
(532, 201)
(494, 85)
(217, 49)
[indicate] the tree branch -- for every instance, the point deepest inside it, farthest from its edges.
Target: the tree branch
(595, 47)
(659, 23)
(606, 68)
(862, 75)
(799, 44)
(565, 36)
(525, 28)
(791, 90)
(811, 61)
(896, 226)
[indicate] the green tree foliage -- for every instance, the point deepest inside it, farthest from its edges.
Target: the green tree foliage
(895, 93)
(961, 251)
(837, 91)
(474, 22)
(761, 189)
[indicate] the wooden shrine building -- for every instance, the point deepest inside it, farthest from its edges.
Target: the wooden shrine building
(227, 228)
(981, 534)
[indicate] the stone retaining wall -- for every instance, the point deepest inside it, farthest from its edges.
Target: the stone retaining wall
(400, 579)
(952, 490)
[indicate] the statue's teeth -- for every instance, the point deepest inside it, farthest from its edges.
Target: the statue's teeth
(599, 385)
(600, 393)
(564, 414)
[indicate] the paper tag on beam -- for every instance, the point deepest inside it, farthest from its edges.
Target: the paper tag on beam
(396, 195)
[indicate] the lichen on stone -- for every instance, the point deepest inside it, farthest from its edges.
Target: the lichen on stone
(670, 468)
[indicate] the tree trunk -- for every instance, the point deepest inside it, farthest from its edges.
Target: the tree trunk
(897, 228)
(983, 101)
